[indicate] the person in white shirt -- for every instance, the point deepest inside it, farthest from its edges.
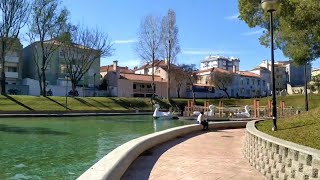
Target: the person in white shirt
(202, 121)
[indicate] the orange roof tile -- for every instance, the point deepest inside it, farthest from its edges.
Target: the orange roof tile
(109, 68)
(157, 63)
(249, 74)
(140, 77)
(213, 69)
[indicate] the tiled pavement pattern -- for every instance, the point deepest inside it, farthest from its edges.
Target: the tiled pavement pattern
(211, 155)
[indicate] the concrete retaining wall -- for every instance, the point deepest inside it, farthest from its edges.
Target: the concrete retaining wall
(279, 159)
(115, 164)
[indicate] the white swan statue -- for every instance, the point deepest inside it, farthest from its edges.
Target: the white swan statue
(244, 114)
(159, 114)
(210, 113)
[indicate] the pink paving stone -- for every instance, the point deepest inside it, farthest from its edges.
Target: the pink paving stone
(205, 155)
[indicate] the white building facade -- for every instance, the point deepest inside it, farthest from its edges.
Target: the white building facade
(222, 62)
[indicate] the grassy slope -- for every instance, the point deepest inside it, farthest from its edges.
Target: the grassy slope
(302, 129)
(52, 103)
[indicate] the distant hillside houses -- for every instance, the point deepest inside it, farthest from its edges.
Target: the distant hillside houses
(245, 84)
(122, 81)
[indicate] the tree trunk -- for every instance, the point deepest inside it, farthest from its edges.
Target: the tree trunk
(40, 85)
(43, 71)
(3, 74)
(168, 83)
(193, 96)
(226, 93)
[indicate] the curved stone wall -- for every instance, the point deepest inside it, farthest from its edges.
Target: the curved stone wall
(279, 159)
(114, 165)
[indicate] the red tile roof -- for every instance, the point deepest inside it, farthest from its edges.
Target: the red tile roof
(157, 63)
(109, 68)
(249, 74)
(140, 77)
(213, 69)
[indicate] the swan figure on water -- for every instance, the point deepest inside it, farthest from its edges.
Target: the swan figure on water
(244, 114)
(158, 114)
(210, 113)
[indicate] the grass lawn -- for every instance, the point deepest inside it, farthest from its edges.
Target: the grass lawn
(54, 103)
(302, 129)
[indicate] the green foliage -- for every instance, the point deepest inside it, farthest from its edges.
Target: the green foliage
(296, 24)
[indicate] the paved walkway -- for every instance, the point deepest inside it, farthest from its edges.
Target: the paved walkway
(205, 155)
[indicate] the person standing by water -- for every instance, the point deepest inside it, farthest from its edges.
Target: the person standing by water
(203, 121)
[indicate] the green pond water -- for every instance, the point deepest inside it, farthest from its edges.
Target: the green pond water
(63, 148)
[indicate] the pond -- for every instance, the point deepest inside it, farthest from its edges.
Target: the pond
(63, 148)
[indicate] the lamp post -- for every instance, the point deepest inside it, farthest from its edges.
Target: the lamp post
(306, 87)
(67, 77)
(270, 6)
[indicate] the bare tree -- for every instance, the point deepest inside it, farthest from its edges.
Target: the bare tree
(190, 70)
(149, 39)
(14, 15)
(221, 80)
(84, 47)
(170, 43)
(47, 29)
(178, 78)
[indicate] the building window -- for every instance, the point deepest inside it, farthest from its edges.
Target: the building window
(12, 69)
(252, 81)
(141, 86)
(134, 86)
(264, 83)
(258, 82)
(63, 68)
(149, 86)
(247, 81)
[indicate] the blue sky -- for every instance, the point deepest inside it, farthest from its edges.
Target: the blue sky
(205, 27)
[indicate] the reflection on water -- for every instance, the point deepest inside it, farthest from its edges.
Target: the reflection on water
(30, 130)
(63, 148)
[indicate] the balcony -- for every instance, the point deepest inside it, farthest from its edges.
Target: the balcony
(12, 59)
(12, 74)
(142, 90)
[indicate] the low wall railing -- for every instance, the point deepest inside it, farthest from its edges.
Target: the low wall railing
(279, 159)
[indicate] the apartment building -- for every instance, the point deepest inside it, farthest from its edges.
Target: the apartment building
(287, 72)
(222, 62)
(56, 69)
(123, 82)
(161, 70)
(13, 63)
(245, 84)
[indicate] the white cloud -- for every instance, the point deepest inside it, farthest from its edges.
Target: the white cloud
(206, 52)
(235, 16)
(253, 32)
(128, 41)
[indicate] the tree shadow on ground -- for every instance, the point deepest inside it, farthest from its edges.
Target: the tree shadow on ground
(125, 104)
(295, 127)
(86, 103)
(19, 103)
(63, 105)
(141, 168)
(30, 130)
(101, 104)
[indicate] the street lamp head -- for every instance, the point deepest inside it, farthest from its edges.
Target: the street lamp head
(270, 5)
